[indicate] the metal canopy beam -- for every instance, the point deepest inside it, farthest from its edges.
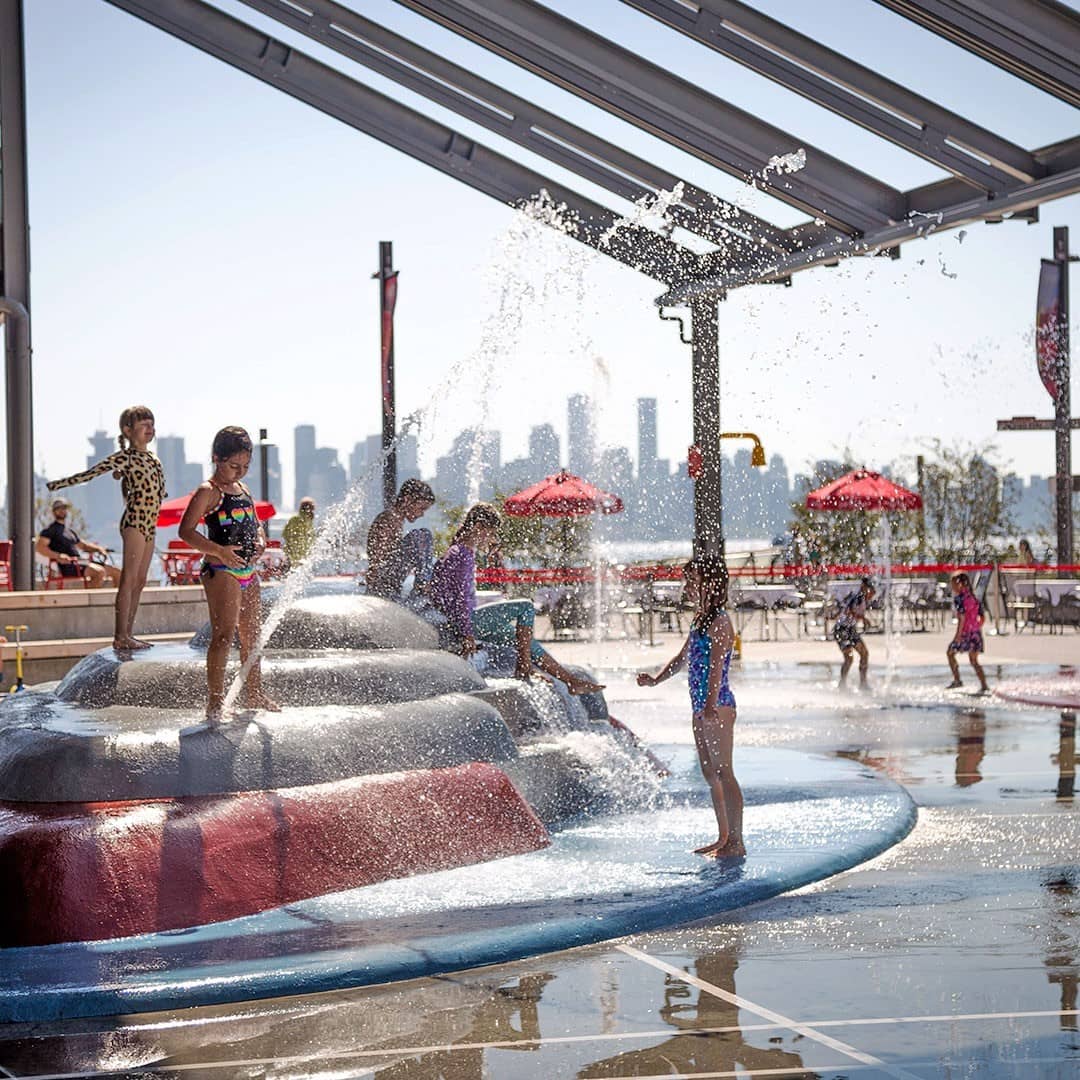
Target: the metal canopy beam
(520, 121)
(1035, 40)
(375, 114)
(671, 108)
(974, 209)
(855, 92)
(1052, 160)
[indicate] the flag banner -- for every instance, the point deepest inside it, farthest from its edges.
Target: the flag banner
(389, 301)
(1048, 351)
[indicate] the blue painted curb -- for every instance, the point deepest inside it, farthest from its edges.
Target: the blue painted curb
(807, 818)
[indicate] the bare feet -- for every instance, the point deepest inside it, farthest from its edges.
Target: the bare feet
(524, 674)
(128, 644)
(954, 685)
(140, 644)
(708, 849)
(256, 699)
(733, 849)
(584, 686)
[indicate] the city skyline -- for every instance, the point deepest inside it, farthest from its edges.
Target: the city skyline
(656, 491)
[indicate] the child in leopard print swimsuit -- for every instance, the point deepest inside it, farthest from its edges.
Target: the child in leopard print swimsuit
(142, 482)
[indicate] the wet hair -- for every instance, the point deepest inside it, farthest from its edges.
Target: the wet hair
(713, 591)
(962, 580)
(128, 419)
(868, 583)
(415, 489)
(229, 441)
(307, 500)
(479, 516)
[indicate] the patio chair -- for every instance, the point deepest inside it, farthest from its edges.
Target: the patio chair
(1068, 611)
(1021, 609)
(5, 566)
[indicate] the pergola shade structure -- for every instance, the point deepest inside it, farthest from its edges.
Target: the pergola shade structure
(846, 210)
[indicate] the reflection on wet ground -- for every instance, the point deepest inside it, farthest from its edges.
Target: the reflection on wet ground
(954, 954)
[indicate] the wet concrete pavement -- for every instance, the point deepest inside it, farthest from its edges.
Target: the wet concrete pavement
(954, 954)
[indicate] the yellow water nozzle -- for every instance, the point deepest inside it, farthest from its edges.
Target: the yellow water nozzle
(757, 454)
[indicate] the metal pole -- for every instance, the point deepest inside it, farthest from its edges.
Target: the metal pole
(387, 296)
(920, 472)
(1063, 408)
(264, 479)
(708, 502)
(15, 293)
(19, 442)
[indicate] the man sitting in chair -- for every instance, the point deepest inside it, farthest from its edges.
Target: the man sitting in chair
(62, 545)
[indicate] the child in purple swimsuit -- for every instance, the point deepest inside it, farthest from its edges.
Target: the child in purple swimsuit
(708, 649)
(233, 542)
(968, 637)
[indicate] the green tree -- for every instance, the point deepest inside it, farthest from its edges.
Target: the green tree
(966, 505)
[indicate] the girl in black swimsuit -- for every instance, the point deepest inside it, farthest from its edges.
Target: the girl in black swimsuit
(233, 542)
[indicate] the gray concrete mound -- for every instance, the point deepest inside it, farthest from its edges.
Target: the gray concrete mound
(174, 677)
(352, 621)
(54, 751)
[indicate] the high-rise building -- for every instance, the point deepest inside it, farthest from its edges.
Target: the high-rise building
(303, 460)
(102, 503)
(646, 420)
(327, 481)
(471, 468)
(273, 474)
(581, 442)
(544, 450)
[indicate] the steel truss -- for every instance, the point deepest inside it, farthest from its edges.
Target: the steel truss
(375, 114)
(991, 177)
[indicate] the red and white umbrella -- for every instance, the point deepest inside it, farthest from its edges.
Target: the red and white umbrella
(562, 495)
(862, 489)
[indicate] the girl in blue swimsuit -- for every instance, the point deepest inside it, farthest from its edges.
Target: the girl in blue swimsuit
(707, 650)
(232, 544)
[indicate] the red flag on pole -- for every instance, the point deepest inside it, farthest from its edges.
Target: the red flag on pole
(389, 301)
(1048, 351)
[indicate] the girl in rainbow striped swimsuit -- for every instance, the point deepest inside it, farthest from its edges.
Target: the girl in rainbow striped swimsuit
(233, 542)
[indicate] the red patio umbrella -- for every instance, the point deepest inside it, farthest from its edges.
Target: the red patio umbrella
(172, 511)
(562, 495)
(862, 489)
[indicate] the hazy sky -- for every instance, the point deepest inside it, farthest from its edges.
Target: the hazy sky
(204, 244)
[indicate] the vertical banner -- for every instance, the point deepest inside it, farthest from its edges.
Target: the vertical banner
(389, 301)
(1048, 344)
(387, 276)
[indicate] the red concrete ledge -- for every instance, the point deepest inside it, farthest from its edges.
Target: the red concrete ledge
(88, 871)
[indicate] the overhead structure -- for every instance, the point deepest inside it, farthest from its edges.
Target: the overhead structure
(847, 211)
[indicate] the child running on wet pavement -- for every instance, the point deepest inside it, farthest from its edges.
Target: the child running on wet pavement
(708, 650)
(233, 542)
(846, 631)
(968, 637)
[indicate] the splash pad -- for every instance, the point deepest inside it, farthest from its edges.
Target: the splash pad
(401, 816)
